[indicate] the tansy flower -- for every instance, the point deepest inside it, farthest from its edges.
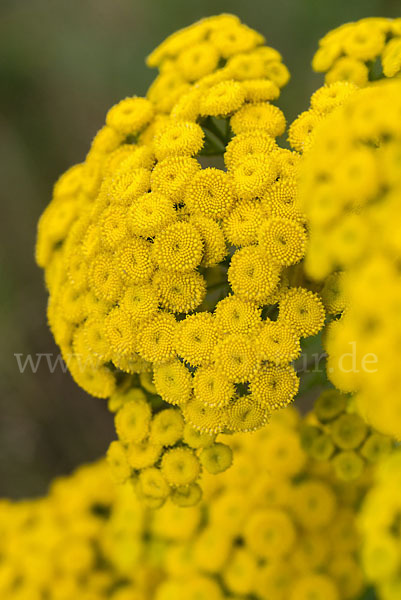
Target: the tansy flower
(195, 338)
(130, 115)
(173, 382)
(178, 248)
(274, 386)
(259, 115)
(222, 99)
(252, 275)
(209, 193)
(178, 139)
(212, 387)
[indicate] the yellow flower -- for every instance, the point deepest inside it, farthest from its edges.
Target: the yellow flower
(129, 116)
(274, 387)
(260, 90)
(120, 331)
(104, 278)
(182, 138)
(303, 311)
(314, 504)
(204, 418)
(277, 343)
(209, 193)
(167, 427)
(214, 244)
(195, 338)
(348, 69)
(248, 143)
(155, 338)
(252, 275)
(212, 387)
(132, 421)
(365, 41)
(179, 292)
(216, 458)
(302, 128)
(222, 99)
(117, 459)
(252, 175)
(171, 176)
(178, 248)
(328, 97)
(236, 38)
(140, 301)
(197, 61)
(153, 484)
(270, 534)
(259, 115)
(150, 213)
(283, 239)
(173, 382)
(234, 315)
(180, 466)
(391, 58)
(245, 414)
(133, 261)
(235, 356)
(320, 587)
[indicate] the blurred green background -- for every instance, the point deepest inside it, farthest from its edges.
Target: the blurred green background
(62, 65)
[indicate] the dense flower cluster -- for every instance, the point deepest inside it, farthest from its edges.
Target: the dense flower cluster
(276, 526)
(351, 187)
(334, 432)
(160, 454)
(81, 541)
(186, 259)
(361, 51)
(379, 524)
(158, 263)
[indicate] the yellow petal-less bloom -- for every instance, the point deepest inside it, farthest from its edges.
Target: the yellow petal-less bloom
(259, 115)
(150, 213)
(349, 52)
(179, 292)
(178, 139)
(245, 144)
(222, 99)
(274, 386)
(196, 337)
(234, 315)
(155, 338)
(129, 116)
(277, 342)
(173, 382)
(351, 247)
(204, 418)
(178, 248)
(244, 414)
(209, 194)
(180, 466)
(303, 311)
(235, 357)
(133, 420)
(252, 275)
(283, 239)
(212, 387)
(252, 175)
